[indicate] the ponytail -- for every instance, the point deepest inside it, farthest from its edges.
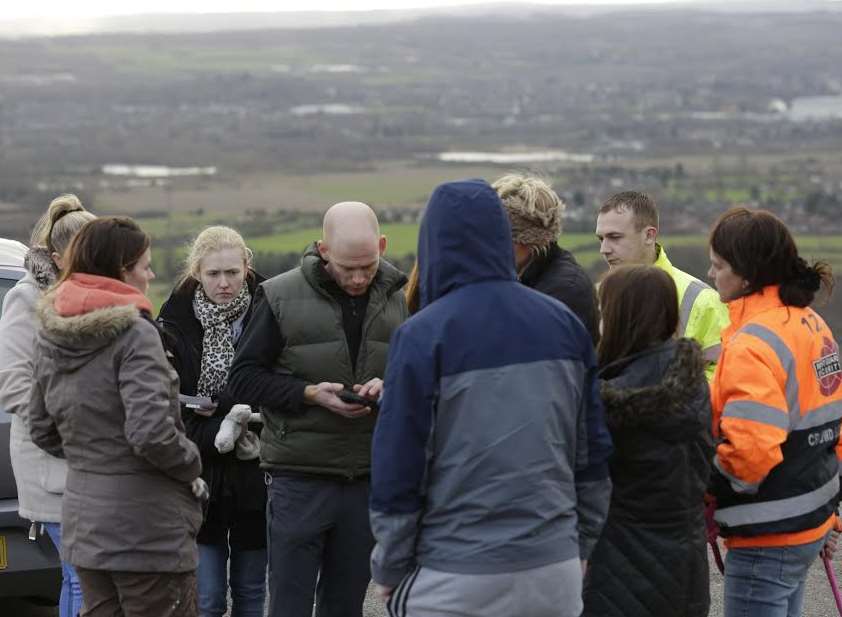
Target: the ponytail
(64, 217)
(759, 248)
(805, 281)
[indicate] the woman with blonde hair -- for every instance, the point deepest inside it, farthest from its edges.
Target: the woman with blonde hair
(39, 476)
(203, 320)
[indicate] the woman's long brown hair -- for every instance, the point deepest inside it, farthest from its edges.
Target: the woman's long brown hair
(639, 309)
(413, 291)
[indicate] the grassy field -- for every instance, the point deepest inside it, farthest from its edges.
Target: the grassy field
(403, 237)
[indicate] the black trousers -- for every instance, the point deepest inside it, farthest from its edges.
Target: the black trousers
(319, 541)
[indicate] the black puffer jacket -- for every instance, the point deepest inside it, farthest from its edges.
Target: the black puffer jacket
(237, 488)
(559, 275)
(651, 559)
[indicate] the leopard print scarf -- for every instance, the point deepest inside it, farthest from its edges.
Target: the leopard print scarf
(217, 343)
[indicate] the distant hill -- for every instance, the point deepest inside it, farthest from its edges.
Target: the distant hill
(220, 22)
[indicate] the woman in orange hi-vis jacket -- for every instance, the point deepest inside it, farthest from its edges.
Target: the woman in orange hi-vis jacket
(777, 406)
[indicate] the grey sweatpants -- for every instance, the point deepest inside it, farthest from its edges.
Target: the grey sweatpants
(549, 591)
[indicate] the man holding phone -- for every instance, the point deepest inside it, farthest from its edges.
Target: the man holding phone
(312, 357)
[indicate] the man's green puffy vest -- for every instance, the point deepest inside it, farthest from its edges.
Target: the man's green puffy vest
(319, 441)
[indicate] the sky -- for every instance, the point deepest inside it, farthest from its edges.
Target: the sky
(96, 8)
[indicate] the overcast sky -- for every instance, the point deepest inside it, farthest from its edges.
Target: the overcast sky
(9, 9)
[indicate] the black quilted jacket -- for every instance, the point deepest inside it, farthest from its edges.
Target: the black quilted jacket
(651, 559)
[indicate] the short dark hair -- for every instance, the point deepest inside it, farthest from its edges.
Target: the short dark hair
(759, 248)
(642, 206)
(106, 247)
(639, 309)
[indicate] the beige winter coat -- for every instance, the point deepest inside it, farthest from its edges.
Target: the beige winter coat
(39, 476)
(104, 396)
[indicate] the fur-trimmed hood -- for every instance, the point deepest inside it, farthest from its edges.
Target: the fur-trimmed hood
(664, 387)
(41, 266)
(85, 313)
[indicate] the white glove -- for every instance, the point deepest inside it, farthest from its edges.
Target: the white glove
(248, 446)
(231, 428)
(200, 489)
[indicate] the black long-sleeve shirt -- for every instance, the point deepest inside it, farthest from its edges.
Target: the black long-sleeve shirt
(252, 378)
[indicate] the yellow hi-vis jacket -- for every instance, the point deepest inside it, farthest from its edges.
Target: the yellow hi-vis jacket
(702, 316)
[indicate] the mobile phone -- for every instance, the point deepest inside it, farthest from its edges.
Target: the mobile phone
(349, 396)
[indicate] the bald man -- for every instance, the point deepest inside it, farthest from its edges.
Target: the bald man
(320, 328)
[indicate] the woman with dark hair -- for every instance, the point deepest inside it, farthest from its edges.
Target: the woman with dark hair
(105, 398)
(651, 558)
(39, 477)
(202, 321)
(777, 407)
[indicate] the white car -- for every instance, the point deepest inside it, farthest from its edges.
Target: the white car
(29, 563)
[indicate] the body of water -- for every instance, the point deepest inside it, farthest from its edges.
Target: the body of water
(805, 108)
(155, 171)
(511, 158)
(330, 109)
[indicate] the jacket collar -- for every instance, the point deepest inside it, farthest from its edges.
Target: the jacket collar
(387, 280)
(179, 305)
(745, 308)
(536, 268)
(662, 261)
(83, 293)
(630, 403)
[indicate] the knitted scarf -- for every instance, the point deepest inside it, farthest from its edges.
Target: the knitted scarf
(217, 342)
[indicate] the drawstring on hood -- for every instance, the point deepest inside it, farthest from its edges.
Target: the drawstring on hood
(465, 238)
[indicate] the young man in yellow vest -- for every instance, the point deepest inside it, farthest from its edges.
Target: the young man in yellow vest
(627, 229)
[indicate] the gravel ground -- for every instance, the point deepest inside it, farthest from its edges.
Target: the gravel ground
(818, 599)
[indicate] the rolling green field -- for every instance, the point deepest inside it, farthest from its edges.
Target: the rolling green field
(403, 237)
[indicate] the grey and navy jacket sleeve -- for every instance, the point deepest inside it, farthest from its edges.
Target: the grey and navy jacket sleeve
(593, 484)
(399, 459)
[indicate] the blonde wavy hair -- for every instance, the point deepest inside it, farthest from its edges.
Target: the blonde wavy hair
(55, 229)
(534, 209)
(210, 240)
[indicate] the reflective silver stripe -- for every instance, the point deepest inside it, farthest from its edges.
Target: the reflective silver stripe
(779, 509)
(752, 410)
(830, 412)
(787, 362)
(690, 294)
(711, 354)
(738, 485)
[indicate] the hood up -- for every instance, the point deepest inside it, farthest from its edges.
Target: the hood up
(465, 238)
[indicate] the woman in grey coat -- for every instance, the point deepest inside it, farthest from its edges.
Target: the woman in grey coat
(38, 475)
(105, 397)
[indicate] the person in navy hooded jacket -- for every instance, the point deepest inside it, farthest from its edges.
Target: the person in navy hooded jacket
(489, 461)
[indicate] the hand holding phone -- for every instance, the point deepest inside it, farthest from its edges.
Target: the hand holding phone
(347, 395)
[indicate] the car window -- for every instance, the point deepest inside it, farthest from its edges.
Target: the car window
(5, 285)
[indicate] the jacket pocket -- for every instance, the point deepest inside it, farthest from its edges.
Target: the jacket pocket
(52, 474)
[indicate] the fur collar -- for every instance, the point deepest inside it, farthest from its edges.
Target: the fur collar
(97, 327)
(41, 266)
(636, 407)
